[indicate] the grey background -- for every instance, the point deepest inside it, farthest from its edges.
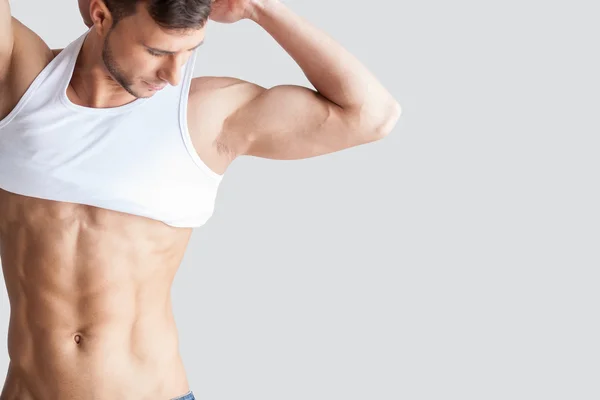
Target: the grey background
(455, 259)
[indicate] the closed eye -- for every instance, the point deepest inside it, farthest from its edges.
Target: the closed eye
(155, 54)
(161, 53)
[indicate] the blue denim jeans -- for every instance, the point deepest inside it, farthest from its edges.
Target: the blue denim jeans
(188, 396)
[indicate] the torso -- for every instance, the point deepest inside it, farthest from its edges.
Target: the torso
(89, 291)
(89, 288)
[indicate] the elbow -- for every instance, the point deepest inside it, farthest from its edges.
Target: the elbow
(372, 122)
(384, 124)
(389, 123)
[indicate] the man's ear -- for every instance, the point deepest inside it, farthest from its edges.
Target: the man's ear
(99, 16)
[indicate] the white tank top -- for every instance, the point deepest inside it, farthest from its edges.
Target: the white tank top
(137, 158)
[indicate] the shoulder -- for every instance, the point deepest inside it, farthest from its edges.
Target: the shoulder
(212, 103)
(228, 91)
(211, 100)
(218, 98)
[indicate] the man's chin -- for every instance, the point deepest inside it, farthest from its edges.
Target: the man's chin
(144, 92)
(145, 95)
(140, 93)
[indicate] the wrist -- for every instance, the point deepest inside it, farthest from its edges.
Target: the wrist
(260, 8)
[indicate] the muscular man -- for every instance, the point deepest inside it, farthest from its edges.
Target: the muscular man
(111, 153)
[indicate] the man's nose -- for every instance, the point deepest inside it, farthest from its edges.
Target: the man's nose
(171, 71)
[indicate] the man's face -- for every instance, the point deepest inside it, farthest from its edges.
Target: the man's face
(134, 53)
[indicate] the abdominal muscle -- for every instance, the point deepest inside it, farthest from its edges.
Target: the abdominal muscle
(89, 293)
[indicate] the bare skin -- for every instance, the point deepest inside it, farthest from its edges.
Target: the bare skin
(90, 302)
(89, 288)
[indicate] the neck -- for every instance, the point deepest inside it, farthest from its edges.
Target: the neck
(91, 84)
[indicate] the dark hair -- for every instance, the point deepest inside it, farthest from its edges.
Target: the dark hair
(170, 14)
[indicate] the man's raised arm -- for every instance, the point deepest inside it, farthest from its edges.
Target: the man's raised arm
(7, 38)
(349, 106)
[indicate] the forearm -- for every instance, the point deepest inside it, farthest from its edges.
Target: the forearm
(334, 72)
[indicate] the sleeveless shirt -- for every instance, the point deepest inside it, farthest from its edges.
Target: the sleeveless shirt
(137, 158)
